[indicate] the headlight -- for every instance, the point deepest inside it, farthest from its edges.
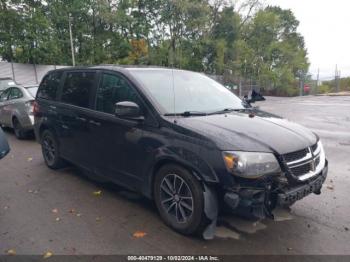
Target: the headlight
(251, 164)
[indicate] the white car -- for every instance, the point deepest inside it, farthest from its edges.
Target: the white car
(16, 109)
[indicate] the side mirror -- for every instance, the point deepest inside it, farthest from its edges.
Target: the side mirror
(128, 110)
(4, 146)
(255, 96)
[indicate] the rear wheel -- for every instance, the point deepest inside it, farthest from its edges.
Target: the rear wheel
(49, 146)
(17, 127)
(179, 199)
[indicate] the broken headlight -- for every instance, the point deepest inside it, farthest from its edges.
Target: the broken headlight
(251, 164)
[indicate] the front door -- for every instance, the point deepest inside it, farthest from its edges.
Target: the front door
(118, 150)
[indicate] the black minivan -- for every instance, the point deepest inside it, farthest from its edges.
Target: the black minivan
(177, 137)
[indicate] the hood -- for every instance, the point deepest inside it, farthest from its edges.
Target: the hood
(262, 133)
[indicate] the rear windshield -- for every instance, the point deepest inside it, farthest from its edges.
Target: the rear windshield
(32, 90)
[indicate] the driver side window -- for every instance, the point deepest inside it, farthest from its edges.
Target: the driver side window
(114, 89)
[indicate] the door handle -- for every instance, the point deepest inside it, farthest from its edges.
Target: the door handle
(95, 123)
(82, 119)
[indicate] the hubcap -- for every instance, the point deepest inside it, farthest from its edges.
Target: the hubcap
(49, 148)
(176, 198)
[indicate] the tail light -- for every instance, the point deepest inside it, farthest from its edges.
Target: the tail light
(36, 108)
(30, 107)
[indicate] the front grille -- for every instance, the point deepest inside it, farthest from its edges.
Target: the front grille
(302, 169)
(304, 163)
(290, 157)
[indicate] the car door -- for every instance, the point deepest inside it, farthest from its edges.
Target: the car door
(3, 106)
(75, 104)
(118, 152)
(15, 105)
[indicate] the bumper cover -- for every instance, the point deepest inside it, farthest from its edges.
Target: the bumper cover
(259, 202)
(297, 193)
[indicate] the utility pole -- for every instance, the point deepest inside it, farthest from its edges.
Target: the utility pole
(301, 82)
(318, 80)
(71, 39)
(338, 82)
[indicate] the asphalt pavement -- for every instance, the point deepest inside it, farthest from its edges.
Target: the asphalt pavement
(65, 213)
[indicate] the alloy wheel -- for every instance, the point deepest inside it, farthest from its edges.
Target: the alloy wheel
(176, 198)
(49, 149)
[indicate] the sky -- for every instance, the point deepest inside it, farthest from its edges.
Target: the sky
(325, 26)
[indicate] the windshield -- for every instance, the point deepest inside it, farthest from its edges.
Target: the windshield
(32, 90)
(193, 91)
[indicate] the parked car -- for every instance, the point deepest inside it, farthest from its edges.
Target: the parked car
(16, 109)
(6, 82)
(177, 137)
(4, 146)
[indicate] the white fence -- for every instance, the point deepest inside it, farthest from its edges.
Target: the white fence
(25, 74)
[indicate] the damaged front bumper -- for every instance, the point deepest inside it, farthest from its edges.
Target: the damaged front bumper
(259, 201)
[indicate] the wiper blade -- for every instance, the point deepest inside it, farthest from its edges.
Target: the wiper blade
(188, 113)
(227, 110)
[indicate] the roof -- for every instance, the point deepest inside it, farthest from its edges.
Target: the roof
(114, 67)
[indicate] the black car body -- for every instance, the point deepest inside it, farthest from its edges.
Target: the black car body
(240, 160)
(4, 146)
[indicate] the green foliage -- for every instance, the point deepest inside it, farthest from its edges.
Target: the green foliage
(324, 89)
(200, 35)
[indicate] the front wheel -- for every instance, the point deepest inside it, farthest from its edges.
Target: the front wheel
(179, 199)
(49, 146)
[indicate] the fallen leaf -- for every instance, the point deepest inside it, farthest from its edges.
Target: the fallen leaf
(139, 234)
(30, 191)
(289, 248)
(71, 211)
(98, 219)
(55, 210)
(11, 252)
(330, 187)
(346, 228)
(30, 159)
(97, 193)
(48, 254)
(78, 215)
(57, 219)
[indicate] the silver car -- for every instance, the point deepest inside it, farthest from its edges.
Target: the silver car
(16, 109)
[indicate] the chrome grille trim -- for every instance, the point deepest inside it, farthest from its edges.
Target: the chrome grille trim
(315, 158)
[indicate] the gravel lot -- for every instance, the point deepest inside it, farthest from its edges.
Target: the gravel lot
(43, 210)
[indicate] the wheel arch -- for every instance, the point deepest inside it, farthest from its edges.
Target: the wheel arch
(148, 187)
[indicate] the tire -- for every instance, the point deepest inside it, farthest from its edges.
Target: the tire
(50, 150)
(17, 127)
(177, 210)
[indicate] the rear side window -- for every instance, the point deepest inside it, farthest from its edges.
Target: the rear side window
(77, 88)
(49, 85)
(15, 93)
